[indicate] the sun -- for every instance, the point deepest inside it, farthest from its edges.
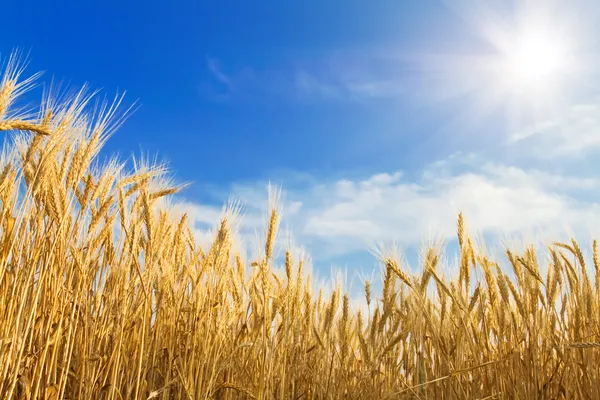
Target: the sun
(534, 62)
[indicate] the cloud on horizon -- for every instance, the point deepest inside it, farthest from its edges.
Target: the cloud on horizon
(335, 219)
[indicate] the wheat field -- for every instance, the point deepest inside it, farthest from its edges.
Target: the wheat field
(105, 294)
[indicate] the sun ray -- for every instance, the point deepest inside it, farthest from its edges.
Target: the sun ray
(525, 61)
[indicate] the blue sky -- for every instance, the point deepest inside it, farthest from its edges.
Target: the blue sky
(380, 119)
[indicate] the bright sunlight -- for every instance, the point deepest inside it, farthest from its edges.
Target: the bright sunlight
(524, 61)
(536, 60)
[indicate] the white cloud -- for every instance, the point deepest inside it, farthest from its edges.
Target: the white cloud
(203, 215)
(407, 211)
(348, 215)
(533, 177)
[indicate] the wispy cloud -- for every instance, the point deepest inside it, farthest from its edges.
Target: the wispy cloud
(340, 88)
(215, 69)
(349, 81)
(220, 86)
(574, 133)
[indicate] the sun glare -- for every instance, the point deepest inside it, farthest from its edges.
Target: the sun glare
(526, 62)
(536, 59)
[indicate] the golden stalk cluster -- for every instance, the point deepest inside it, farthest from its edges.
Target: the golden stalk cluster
(105, 295)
